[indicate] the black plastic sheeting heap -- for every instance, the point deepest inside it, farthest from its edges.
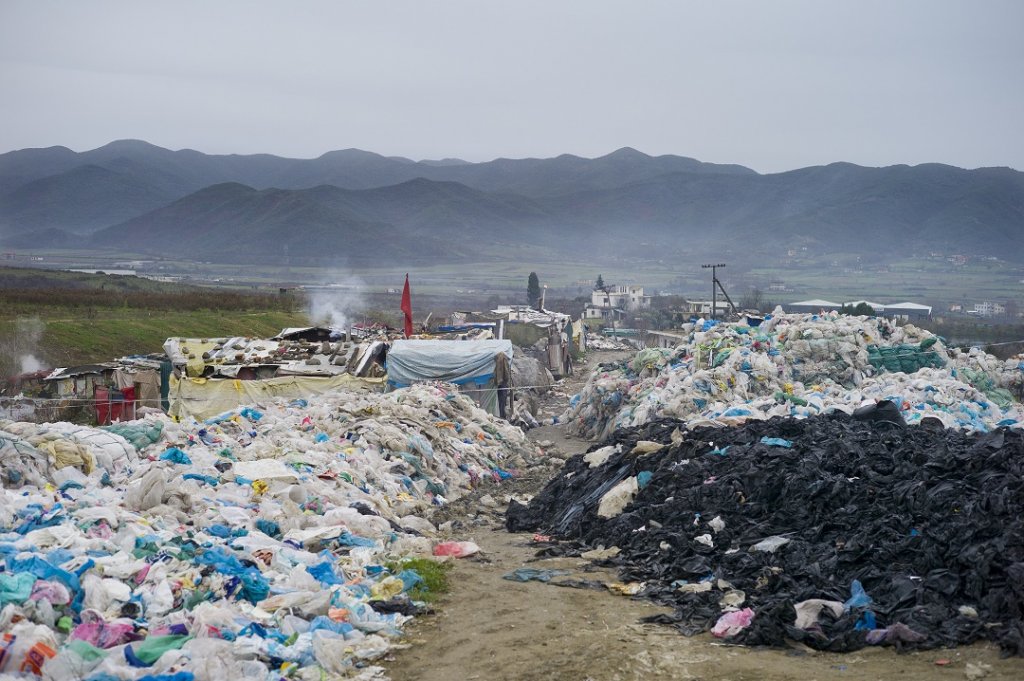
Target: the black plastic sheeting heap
(930, 521)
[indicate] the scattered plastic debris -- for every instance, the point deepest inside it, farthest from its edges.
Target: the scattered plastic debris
(533, 574)
(265, 542)
(456, 549)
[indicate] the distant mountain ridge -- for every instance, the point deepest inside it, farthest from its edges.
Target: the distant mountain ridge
(134, 196)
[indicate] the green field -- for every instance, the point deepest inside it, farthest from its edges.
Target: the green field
(931, 282)
(65, 319)
(108, 334)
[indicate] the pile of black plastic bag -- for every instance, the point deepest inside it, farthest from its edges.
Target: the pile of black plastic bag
(835, 531)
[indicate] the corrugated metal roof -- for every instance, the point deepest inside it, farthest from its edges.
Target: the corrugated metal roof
(908, 306)
(815, 303)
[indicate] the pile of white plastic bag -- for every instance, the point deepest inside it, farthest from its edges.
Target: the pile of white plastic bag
(597, 342)
(265, 543)
(799, 365)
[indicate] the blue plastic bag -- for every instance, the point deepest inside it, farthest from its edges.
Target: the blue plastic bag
(255, 586)
(268, 527)
(176, 455)
(858, 597)
(866, 622)
(325, 574)
(251, 414)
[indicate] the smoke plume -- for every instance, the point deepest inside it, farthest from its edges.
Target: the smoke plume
(335, 303)
(19, 347)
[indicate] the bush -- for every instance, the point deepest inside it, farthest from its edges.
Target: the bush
(858, 310)
(434, 573)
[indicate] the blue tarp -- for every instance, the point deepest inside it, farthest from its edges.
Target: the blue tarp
(468, 364)
(459, 362)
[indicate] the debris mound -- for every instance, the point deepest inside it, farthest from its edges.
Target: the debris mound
(838, 531)
(799, 366)
(264, 541)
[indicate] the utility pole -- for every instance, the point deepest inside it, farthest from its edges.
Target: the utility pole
(608, 304)
(714, 286)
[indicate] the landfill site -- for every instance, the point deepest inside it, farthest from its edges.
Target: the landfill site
(811, 495)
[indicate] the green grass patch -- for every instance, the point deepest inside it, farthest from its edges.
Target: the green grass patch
(435, 582)
(70, 318)
(69, 337)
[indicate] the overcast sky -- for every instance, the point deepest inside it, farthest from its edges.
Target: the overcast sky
(769, 84)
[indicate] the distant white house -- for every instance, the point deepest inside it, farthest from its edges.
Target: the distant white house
(611, 302)
(988, 309)
(703, 307)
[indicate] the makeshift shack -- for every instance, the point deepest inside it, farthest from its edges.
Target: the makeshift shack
(79, 383)
(481, 369)
(114, 389)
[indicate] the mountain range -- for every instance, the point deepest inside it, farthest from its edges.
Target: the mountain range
(131, 196)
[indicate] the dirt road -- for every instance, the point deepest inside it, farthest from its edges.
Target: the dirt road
(493, 629)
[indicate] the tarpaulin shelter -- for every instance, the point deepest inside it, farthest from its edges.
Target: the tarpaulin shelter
(471, 365)
(214, 375)
(263, 358)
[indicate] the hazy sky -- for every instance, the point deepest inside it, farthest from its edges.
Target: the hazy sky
(770, 84)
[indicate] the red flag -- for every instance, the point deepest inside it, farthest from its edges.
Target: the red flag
(407, 307)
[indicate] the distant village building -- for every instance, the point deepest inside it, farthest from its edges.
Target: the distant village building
(703, 307)
(613, 301)
(988, 309)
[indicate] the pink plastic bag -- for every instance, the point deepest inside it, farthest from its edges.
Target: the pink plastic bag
(732, 623)
(102, 634)
(54, 592)
(458, 549)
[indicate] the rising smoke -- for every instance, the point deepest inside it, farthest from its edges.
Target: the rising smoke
(30, 363)
(19, 347)
(335, 303)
